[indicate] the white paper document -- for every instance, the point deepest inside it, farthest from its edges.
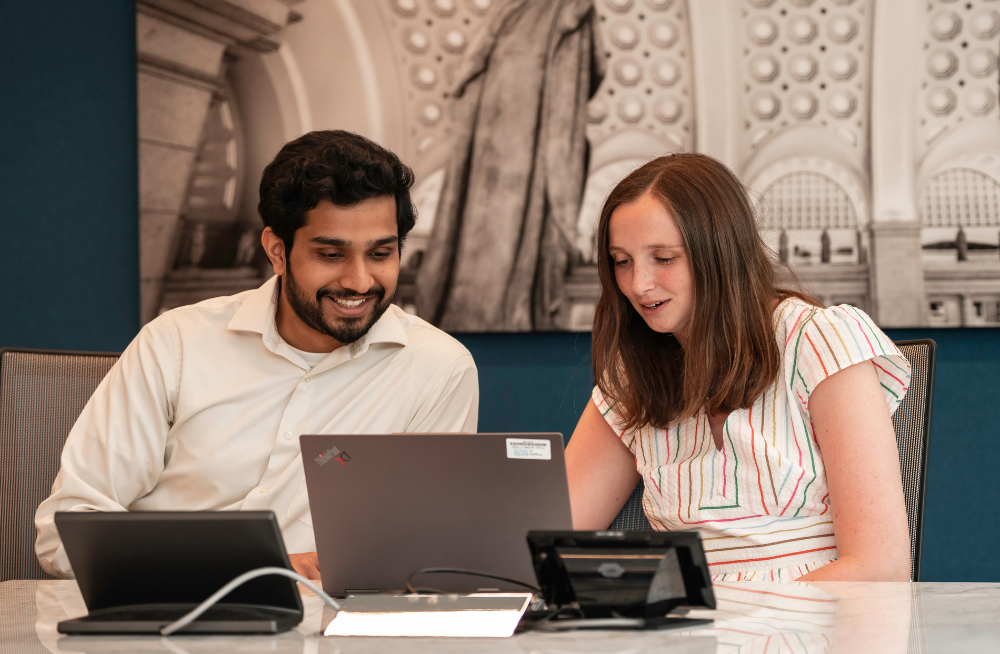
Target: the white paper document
(480, 615)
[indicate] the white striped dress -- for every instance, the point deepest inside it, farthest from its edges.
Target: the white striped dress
(762, 503)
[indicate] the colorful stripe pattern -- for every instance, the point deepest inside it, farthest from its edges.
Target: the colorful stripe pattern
(761, 503)
(759, 618)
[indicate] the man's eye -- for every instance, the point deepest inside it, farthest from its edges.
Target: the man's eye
(331, 255)
(382, 254)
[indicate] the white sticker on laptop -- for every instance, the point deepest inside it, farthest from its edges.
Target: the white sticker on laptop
(529, 448)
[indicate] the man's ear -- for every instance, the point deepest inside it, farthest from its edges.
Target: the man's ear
(275, 249)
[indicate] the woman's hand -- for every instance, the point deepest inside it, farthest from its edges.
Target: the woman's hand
(858, 444)
(600, 470)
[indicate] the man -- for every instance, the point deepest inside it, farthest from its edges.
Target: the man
(204, 409)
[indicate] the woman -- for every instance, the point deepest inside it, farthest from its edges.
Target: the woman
(752, 413)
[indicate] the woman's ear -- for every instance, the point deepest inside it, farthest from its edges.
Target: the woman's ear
(274, 247)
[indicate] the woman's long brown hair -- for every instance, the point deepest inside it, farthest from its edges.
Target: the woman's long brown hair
(731, 355)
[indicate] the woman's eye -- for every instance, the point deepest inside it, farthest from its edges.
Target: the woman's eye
(621, 262)
(665, 260)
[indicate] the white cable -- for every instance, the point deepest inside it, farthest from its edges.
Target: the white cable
(192, 615)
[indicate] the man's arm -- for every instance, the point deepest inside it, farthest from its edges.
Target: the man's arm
(115, 452)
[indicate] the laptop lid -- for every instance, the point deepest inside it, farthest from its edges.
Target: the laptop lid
(125, 559)
(385, 506)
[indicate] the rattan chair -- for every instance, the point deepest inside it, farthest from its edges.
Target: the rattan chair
(41, 395)
(912, 422)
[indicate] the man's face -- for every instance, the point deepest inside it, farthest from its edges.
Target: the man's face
(340, 275)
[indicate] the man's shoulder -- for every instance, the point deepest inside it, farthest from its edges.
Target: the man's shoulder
(427, 341)
(213, 312)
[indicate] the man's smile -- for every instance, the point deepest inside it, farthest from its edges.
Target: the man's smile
(350, 307)
(349, 303)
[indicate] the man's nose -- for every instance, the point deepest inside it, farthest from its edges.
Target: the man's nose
(357, 278)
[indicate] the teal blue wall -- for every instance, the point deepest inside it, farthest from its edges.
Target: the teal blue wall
(68, 207)
(962, 526)
(68, 181)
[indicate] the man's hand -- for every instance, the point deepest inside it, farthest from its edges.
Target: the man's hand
(306, 564)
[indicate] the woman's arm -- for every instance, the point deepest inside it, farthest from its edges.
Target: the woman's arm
(600, 469)
(858, 444)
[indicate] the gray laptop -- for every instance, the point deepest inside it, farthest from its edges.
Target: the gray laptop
(385, 506)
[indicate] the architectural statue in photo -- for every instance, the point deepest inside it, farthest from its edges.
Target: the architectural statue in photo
(506, 222)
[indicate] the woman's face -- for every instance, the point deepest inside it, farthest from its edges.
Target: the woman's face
(651, 265)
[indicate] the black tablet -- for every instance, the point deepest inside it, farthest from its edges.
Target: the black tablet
(139, 571)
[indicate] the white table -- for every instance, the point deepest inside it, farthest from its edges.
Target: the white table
(886, 618)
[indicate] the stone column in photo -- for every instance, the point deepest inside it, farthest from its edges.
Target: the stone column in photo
(714, 43)
(181, 44)
(897, 270)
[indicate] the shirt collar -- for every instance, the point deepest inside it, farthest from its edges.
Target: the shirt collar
(387, 329)
(258, 311)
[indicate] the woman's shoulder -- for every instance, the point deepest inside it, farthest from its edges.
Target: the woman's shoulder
(796, 318)
(817, 342)
(792, 313)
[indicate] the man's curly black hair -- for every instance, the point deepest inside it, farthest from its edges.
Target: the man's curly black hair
(342, 167)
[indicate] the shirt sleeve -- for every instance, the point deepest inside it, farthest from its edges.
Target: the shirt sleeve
(452, 403)
(115, 452)
(606, 407)
(825, 341)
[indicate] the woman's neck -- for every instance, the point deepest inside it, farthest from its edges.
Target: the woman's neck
(682, 337)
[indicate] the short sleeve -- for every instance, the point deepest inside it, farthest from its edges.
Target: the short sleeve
(821, 342)
(606, 407)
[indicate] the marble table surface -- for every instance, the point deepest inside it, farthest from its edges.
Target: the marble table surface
(762, 617)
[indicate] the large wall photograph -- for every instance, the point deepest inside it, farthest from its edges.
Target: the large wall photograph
(867, 130)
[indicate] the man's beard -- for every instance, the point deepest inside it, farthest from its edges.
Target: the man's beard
(346, 330)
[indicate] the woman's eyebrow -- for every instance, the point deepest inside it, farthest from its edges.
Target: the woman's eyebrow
(653, 246)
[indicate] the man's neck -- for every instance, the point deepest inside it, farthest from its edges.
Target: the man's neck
(298, 334)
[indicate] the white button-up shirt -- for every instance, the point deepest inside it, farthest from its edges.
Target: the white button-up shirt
(204, 409)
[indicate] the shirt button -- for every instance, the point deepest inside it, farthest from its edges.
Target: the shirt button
(308, 379)
(288, 435)
(263, 489)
